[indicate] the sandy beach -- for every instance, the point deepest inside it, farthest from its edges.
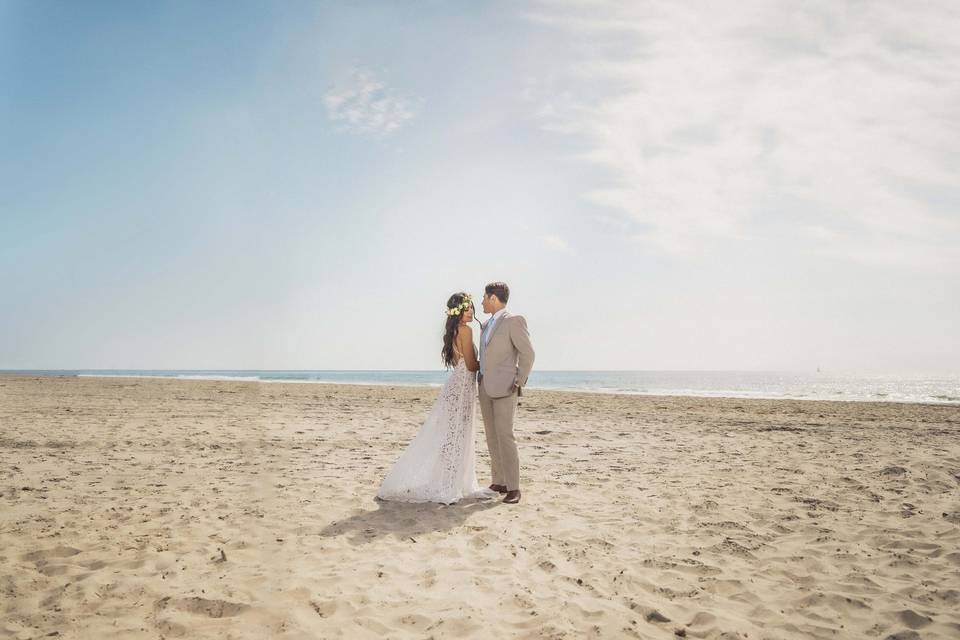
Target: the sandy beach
(163, 508)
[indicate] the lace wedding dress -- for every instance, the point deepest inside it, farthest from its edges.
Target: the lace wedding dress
(439, 465)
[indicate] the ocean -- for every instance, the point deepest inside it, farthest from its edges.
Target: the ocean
(730, 384)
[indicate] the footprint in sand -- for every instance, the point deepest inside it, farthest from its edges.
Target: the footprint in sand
(203, 606)
(912, 619)
(324, 609)
(415, 621)
(903, 635)
(428, 578)
(42, 557)
(46, 554)
(480, 541)
(893, 471)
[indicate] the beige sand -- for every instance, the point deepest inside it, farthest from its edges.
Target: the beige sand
(136, 508)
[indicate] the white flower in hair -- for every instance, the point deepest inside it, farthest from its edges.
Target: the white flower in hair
(460, 308)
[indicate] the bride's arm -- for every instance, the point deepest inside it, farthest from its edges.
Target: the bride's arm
(465, 342)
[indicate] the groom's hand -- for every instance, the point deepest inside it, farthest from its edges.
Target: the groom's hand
(518, 389)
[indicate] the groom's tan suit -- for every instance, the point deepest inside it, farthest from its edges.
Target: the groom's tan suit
(506, 358)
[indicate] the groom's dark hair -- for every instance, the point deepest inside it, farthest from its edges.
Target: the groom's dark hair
(499, 289)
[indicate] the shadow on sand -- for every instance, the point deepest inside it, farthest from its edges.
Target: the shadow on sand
(405, 520)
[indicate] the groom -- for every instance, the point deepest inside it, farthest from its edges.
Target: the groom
(506, 357)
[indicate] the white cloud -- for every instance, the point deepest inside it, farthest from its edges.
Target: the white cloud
(557, 244)
(719, 122)
(365, 105)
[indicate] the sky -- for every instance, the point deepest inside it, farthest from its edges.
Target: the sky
(302, 185)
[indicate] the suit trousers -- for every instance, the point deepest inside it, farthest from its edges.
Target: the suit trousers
(498, 414)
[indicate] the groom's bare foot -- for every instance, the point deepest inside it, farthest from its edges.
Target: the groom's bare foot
(499, 488)
(512, 497)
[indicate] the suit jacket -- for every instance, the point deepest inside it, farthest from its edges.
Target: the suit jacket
(508, 356)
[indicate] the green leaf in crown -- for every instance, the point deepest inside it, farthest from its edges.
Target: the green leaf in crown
(460, 308)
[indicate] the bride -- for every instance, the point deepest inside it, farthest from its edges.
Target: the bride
(439, 465)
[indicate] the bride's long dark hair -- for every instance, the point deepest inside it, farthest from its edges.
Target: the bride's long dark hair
(450, 330)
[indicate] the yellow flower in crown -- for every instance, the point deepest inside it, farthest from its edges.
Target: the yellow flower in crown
(460, 308)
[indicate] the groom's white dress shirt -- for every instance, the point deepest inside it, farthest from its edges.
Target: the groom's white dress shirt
(487, 332)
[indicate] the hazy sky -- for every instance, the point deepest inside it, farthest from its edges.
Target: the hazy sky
(301, 185)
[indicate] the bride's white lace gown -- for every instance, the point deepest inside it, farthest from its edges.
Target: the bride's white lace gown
(439, 465)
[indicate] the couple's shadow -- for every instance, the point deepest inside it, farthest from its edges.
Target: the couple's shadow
(405, 520)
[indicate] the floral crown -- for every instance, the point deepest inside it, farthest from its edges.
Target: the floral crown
(460, 308)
